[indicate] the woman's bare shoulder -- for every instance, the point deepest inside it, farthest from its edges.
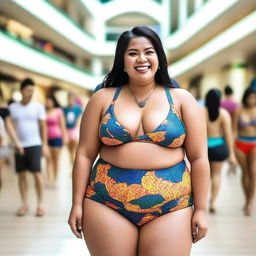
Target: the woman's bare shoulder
(103, 95)
(182, 95)
(224, 114)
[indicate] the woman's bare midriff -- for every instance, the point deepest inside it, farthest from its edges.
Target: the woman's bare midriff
(247, 131)
(140, 155)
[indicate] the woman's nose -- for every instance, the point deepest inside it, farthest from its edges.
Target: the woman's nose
(141, 58)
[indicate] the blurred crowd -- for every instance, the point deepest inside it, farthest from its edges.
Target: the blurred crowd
(37, 130)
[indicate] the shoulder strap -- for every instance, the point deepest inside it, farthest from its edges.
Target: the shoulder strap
(167, 90)
(117, 92)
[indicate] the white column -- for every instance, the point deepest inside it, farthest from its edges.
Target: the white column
(71, 10)
(166, 18)
(97, 66)
(183, 12)
(198, 4)
(237, 79)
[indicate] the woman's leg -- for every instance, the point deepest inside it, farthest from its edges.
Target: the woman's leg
(215, 168)
(1, 170)
(55, 157)
(107, 232)
(252, 180)
(168, 235)
(50, 167)
(242, 160)
(72, 145)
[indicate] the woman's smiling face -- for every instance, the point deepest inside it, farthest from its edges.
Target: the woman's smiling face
(140, 60)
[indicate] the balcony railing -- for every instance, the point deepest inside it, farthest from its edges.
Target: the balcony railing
(17, 52)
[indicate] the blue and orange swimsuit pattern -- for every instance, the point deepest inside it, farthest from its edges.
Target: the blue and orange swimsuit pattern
(140, 195)
(171, 132)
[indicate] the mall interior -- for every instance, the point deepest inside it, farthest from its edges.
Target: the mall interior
(68, 46)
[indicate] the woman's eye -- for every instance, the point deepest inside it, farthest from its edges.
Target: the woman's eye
(149, 52)
(132, 54)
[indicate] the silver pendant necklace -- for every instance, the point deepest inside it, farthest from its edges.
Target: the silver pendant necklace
(141, 103)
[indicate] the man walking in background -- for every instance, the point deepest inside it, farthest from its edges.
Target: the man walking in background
(29, 121)
(229, 103)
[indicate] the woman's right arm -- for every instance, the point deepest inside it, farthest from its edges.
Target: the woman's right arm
(235, 120)
(87, 151)
(228, 134)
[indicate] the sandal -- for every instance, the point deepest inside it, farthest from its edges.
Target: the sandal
(212, 210)
(23, 210)
(248, 210)
(40, 212)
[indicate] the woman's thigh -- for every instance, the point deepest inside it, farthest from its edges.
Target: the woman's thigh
(107, 232)
(242, 160)
(215, 168)
(252, 162)
(55, 153)
(168, 235)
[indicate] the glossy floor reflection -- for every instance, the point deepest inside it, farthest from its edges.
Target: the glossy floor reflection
(230, 233)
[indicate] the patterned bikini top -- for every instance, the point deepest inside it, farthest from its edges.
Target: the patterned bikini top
(170, 132)
(243, 123)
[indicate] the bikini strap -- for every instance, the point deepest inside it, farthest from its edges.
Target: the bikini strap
(169, 96)
(117, 92)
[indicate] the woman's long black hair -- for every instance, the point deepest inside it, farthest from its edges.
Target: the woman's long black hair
(117, 77)
(212, 103)
(54, 100)
(247, 93)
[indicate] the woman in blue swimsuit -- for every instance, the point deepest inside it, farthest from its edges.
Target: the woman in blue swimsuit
(140, 197)
(220, 141)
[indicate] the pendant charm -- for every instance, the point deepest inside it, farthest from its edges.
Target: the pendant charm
(141, 104)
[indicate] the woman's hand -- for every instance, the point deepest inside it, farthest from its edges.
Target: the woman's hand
(199, 225)
(75, 220)
(232, 159)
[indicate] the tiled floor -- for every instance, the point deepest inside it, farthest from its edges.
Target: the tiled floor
(230, 233)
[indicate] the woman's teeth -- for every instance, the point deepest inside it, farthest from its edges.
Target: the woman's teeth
(142, 68)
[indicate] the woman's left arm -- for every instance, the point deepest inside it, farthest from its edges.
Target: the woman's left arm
(197, 153)
(228, 135)
(63, 127)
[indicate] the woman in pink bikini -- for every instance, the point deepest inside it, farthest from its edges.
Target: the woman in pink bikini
(245, 134)
(57, 136)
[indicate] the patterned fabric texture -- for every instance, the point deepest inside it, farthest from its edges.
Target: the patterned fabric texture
(140, 195)
(171, 132)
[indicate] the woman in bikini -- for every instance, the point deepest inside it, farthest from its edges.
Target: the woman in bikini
(137, 198)
(220, 140)
(244, 124)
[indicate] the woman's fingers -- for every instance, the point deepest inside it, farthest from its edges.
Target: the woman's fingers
(75, 227)
(198, 233)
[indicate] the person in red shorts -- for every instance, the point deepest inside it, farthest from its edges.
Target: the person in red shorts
(244, 124)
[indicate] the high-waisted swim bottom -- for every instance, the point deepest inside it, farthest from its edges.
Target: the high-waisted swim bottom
(246, 144)
(140, 195)
(217, 149)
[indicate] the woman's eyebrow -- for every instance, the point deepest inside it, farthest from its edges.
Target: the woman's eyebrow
(136, 50)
